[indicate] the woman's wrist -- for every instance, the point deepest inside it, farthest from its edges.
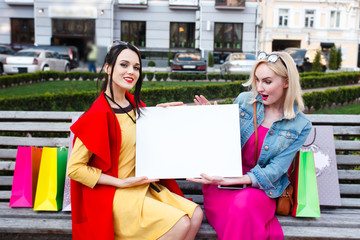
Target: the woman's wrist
(240, 180)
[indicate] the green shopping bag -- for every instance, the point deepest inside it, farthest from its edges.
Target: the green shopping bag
(306, 190)
(50, 186)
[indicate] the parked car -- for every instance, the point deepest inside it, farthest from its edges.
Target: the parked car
(305, 57)
(5, 51)
(238, 63)
(34, 60)
(69, 53)
(188, 62)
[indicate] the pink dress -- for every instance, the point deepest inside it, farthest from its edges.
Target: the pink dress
(246, 213)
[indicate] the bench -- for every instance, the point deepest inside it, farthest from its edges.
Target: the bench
(51, 129)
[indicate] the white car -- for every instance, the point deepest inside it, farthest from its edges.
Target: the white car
(5, 51)
(238, 63)
(34, 60)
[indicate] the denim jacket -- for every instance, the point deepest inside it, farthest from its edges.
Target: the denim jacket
(280, 146)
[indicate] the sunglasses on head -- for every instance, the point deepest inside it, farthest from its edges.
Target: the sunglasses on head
(272, 58)
(118, 42)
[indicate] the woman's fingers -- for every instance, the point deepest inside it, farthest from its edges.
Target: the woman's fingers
(201, 100)
(170, 104)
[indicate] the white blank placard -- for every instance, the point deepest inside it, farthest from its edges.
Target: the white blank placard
(184, 141)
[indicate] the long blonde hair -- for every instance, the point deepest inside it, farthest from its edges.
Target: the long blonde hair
(290, 72)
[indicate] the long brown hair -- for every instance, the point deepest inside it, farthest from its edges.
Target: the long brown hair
(110, 60)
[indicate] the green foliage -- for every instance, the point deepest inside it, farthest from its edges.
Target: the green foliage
(329, 79)
(81, 101)
(161, 75)
(316, 65)
(149, 76)
(214, 76)
(151, 64)
(335, 58)
(338, 58)
(73, 100)
(44, 76)
(319, 100)
(210, 59)
(170, 57)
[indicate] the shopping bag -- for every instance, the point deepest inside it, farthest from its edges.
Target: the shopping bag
(50, 186)
(306, 190)
(67, 190)
(25, 176)
(321, 142)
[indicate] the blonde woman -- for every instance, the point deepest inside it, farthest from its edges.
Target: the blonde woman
(249, 213)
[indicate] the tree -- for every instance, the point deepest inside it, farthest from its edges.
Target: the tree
(333, 58)
(170, 57)
(210, 60)
(316, 66)
(338, 57)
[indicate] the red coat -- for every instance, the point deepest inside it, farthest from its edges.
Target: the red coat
(91, 208)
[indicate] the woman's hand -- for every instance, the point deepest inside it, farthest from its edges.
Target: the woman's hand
(106, 179)
(135, 181)
(216, 180)
(201, 100)
(170, 104)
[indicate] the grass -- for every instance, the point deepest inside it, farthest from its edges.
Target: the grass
(62, 86)
(348, 109)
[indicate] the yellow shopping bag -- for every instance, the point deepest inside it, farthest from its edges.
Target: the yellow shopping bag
(50, 186)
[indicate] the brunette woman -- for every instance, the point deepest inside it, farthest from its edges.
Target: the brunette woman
(108, 201)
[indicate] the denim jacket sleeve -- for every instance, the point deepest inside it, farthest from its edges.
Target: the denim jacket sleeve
(270, 172)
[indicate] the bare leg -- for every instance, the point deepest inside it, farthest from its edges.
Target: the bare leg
(178, 231)
(185, 228)
(195, 223)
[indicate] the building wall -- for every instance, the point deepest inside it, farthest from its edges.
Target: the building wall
(157, 15)
(345, 36)
(8, 12)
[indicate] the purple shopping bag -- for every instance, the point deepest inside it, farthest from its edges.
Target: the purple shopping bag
(25, 176)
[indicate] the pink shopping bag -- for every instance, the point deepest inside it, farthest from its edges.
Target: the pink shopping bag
(25, 176)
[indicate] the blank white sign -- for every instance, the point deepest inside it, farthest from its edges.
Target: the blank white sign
(184, 141)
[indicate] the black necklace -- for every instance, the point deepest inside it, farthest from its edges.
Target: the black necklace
(134, 121)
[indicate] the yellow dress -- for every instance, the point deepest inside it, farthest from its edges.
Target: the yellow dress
(143, 212)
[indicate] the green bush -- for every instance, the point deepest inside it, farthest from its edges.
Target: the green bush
(170, 57)
(150, 76)
(81, 101)
(338, 58)
(319, 100)
(333, 59)
(161, 75)
(210, 60)
(151, 64)
(316, 65)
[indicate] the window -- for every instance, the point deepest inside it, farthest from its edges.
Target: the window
(71, 27)
(134, 33)
(230, 3)
(22, 31)
(283, 17)
(335, 19)
(309, 18)
(228, 37)
(182, 35)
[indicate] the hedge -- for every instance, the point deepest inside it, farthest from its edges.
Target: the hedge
(26, 78)
(308, 80)
(81, 101)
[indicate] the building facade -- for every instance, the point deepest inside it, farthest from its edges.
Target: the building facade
(157, 27)
(311, 24)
